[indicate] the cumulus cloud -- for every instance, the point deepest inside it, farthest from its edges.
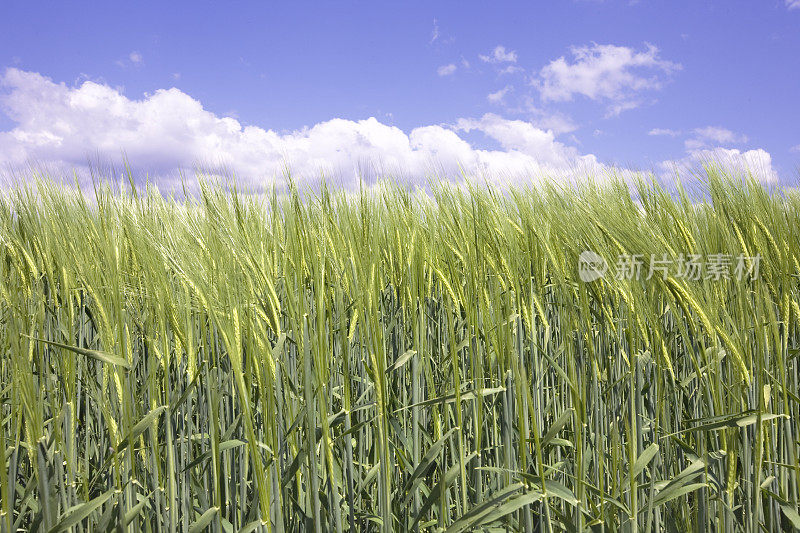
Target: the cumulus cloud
(664, 132)
(710, 145)
(64, 126)
(169, 130)
(793, 4)
(756, 163)
(604, 72)
(795, 148)
(135, 57)
(446, 70)
(519, 139)
(500, 55)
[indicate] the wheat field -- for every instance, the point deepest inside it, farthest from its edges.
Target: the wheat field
(391, 360)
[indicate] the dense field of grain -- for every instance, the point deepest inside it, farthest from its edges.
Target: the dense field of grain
(394, 361)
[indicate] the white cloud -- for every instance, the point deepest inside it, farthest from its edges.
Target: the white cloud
(614, 110)
(705, 147)
(756, 163)
(793, 4)
(63, 126)
(500, 55)
(439, 37)
(797, 147)
(435, 32)
(664, 132)
(558, 123)
(545, 119)
(133, 59)
(446, 70)
(553, 121)
(511, 69)
(720, 135)
(604, 72)
(520, 138)
(713, 135)
(497, 97)
(168, 130)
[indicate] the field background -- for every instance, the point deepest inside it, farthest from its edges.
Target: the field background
(396, 361)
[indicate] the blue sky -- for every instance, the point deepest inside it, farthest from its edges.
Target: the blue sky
(508, 88)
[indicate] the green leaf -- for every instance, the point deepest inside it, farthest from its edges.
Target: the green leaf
(80, 512)
(676, 491)
(559, 490)
(509, 507)
(791, 514)
(136, 509)
(204, 520)
(424, 464)
(643, 460)
(731, 421)
(495, 507)
(249, 528)
(450, 398)
(557, 426)
(401, 360)
(445, 482)
(94, 354)
(223, 446)
(752, 419)
(140, 427)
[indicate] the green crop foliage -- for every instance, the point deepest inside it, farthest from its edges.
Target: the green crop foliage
(391, 360)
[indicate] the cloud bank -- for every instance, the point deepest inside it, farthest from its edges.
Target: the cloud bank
(757, 161)
(169, 130)
(66, 126)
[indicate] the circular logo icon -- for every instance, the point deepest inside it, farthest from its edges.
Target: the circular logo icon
(591, 266)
